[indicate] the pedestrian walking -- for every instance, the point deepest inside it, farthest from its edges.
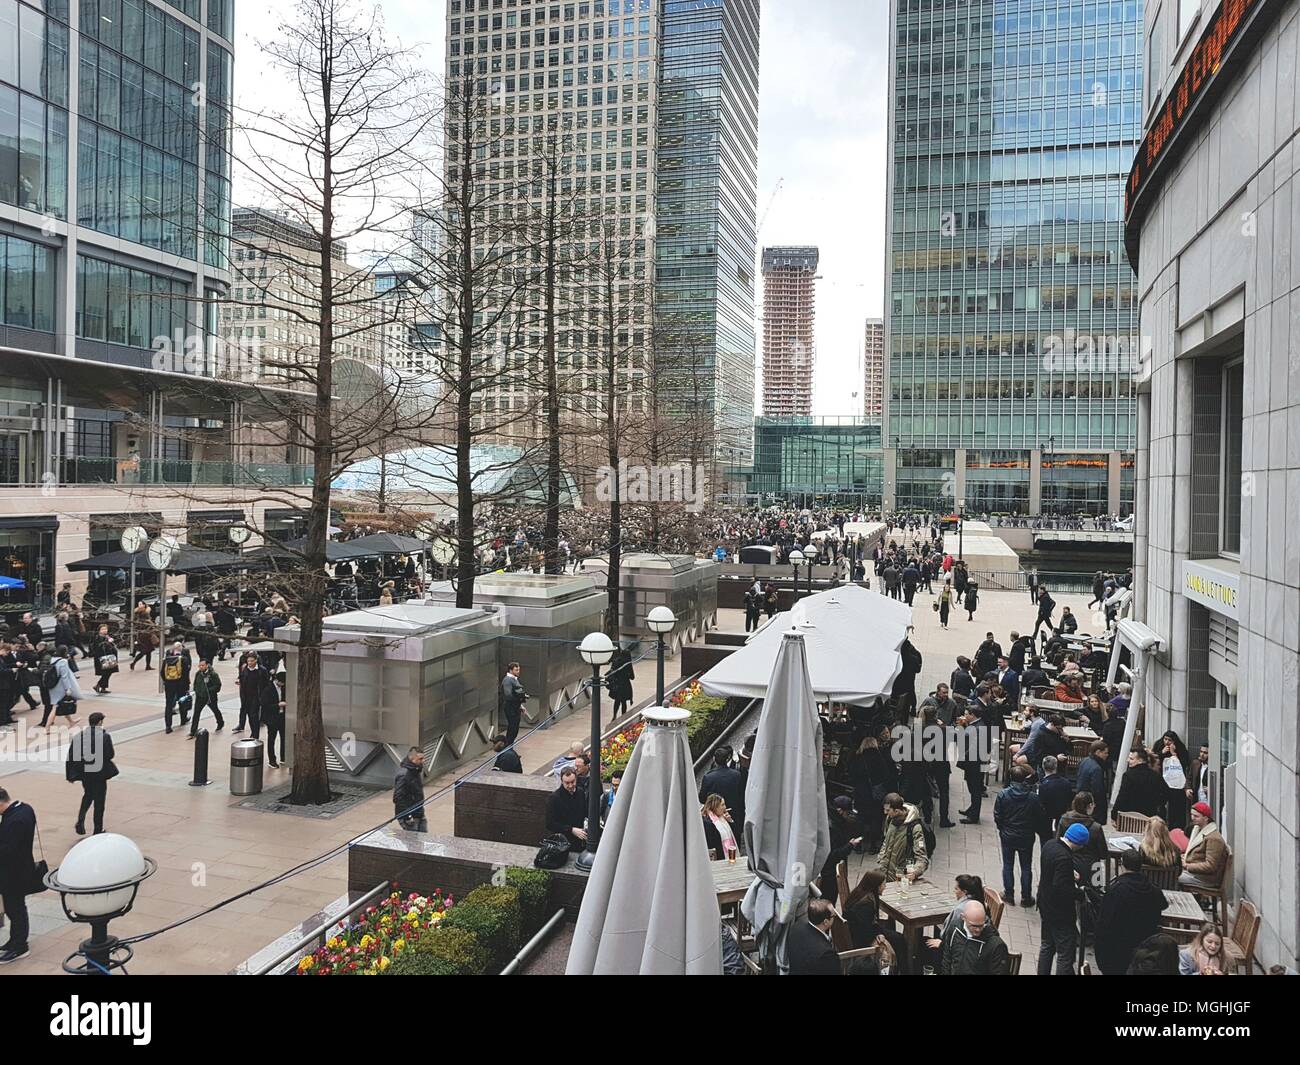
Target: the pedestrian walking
(90, 763)
(271, 706)
(176, 684)
(972, 599)
(146, 637)
(408, 792)
(207, 686)
(252, 678)
(104, 650)
(61, 683)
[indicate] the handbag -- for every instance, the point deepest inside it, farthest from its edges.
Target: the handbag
(553, 853)
(106, 663)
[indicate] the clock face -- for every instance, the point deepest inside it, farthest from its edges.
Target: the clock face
(160, 554)
(133, 539)
(239, 534)
(443, 552)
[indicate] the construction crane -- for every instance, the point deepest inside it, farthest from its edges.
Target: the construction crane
(768, 210)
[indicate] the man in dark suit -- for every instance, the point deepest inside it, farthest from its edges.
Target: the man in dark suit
(730, 784)
(986, 657)
(808, 945)
(90, 761)
(1010, 681)
(17, 870)
(507, 760)
(566, 811)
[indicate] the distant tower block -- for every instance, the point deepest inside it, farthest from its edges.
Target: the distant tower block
(789, 335)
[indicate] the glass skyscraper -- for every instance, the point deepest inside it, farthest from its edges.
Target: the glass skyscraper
(1010, 309)
(706, 223)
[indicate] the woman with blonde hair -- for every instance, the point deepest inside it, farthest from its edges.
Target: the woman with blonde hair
(718, 833)
(1158, 848)
(1203, 956)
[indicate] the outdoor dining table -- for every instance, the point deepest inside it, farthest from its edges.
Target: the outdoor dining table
(926, 903)
(1113, 852)
(731, 880)
(1182, 909)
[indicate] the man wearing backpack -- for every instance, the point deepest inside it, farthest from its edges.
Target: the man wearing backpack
(908, 840)
(176, 683)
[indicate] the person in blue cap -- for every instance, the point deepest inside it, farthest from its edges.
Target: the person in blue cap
(1058, 892)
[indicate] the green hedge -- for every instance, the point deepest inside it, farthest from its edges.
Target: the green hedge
(421, 963)
(533, 886)
(710, 714)
(491, 914)
(456, 951)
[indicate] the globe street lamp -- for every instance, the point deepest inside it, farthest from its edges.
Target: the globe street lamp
(98, 881)
(661, 621)
(596, 650)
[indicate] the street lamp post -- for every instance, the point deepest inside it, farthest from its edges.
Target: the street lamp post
(97, 882)
(596, 650)
(796, 559)
(961, 529)
(661, 621)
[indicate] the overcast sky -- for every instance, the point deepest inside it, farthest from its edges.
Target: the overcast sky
(821, 127)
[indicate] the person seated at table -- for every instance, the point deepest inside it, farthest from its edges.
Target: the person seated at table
(973, 947)
(809, 947)
(1069, 689)
(1203, 956)
(1033, 676)
(1206, 856)
(566, 810)
(1129, 913)
(1156, 955)
(1050, 739)
(862, 914)
(1157, 848)
(1092, 711)
(1082, 811)
(1119, 702)
(1142, 791)
(966, 887)
(718, 832)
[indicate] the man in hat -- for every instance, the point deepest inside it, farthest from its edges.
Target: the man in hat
(1058, 893)
(1207, 854)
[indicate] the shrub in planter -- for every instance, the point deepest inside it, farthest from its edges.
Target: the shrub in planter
(420, 963)
(455, 950)
(534, 886)
(491, 914)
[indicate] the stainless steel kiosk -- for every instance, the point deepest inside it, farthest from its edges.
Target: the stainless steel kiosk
(395, 677)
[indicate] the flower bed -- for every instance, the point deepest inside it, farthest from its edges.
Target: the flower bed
(378, 935)
(417, 935)
(710, 714)
(616, 751)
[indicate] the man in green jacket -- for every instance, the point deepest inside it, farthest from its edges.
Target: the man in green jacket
(207, 684)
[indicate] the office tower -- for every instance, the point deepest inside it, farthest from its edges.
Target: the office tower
(789, 331)
(114, 223)
(652, 112)
(1011, 326)
(873, 369)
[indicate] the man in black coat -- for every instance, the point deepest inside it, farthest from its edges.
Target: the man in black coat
(90, 761)
(904, 690)
(1019, 653)
(17, 871)
(270, 706)
(507, 759)
(1055, 792)
(175, 668)
(225, 622)
(1046, 604)
(566, 810)
(1057, 898)
(1141, 790)
(408, 792)
(986, 657)
(808, 946)
(1130, 911)
(723, 780)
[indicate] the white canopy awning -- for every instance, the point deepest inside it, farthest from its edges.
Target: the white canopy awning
(852, 637)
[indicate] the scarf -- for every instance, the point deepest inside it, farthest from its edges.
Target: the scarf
(1199, 833)
(724, 831)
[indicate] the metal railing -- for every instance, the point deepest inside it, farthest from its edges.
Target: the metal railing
(126, 471)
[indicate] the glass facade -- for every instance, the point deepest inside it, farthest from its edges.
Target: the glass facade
(26, 284)
(1010, 304)
(705, 208)
(124, 306)
(33, 106)
(826, 459)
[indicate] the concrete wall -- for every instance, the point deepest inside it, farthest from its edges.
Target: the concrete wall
(1220, 271)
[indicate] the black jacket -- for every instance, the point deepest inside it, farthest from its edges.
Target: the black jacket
(224, 622)
(17, 830)
(91, 754)
(963, 956)
(986, 658)
(1046, 604)
(1018, 813)
(408, 786)
(1055, 793)
(1141, 791)
(508, 762)
(1056, 890)
(185, 669)
(1018, 654)
(268, 703)
(566, 811)
(728, 783)
(1129, 912)
(1069, 623)
(810, 952)
(961, 683)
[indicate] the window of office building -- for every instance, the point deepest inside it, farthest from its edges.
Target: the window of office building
(121, 305)
(1075, 484)
(27, 554)
(33, 95)
(26, 284)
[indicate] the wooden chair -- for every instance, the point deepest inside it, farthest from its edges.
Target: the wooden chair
(752, 968)
(1014, 960)
(1218, 896)
(1164, 877)
(842, 941)
(1240, 946)
(842, 880)
(1134, 824)
(994, 904)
